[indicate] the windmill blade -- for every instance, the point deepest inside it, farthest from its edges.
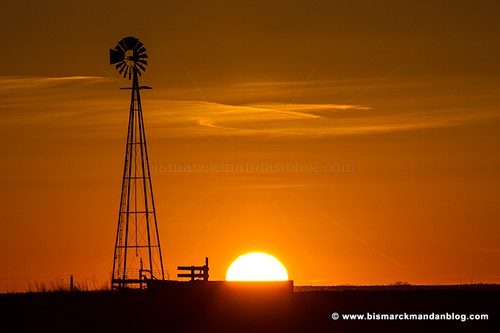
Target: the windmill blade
(121, 70)
(130, 73)
(115, 56)
(119, 48)
(144, 55)
(129, 42)
(138, 45)
(141, 66)
(133, 42)
(144, 62)
(141, 50)
(123, 45)
(120, 65)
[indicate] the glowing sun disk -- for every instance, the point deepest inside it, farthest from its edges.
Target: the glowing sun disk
(256, 266)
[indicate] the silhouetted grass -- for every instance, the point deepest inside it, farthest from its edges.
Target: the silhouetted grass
(398, 286)
(61, 285)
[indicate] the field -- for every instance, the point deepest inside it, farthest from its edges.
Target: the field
(223, 307)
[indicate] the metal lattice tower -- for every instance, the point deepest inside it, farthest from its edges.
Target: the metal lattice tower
(137, 256)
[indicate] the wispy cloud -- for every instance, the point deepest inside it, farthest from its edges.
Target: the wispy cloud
(12, 83)
(306, 120)
(93, 102)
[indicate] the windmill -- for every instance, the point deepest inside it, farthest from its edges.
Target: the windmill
(137, 254)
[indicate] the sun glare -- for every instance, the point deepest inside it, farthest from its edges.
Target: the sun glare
(256, 266)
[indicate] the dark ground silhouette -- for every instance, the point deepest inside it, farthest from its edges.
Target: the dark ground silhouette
(214, 307)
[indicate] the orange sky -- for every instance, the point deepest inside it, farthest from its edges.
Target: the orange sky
(377, 126)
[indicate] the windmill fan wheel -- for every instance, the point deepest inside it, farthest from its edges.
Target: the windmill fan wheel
(129, 56)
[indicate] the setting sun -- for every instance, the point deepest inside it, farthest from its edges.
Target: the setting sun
(256, 266)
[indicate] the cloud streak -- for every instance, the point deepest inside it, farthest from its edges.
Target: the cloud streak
(304, 120)
(94, 102)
